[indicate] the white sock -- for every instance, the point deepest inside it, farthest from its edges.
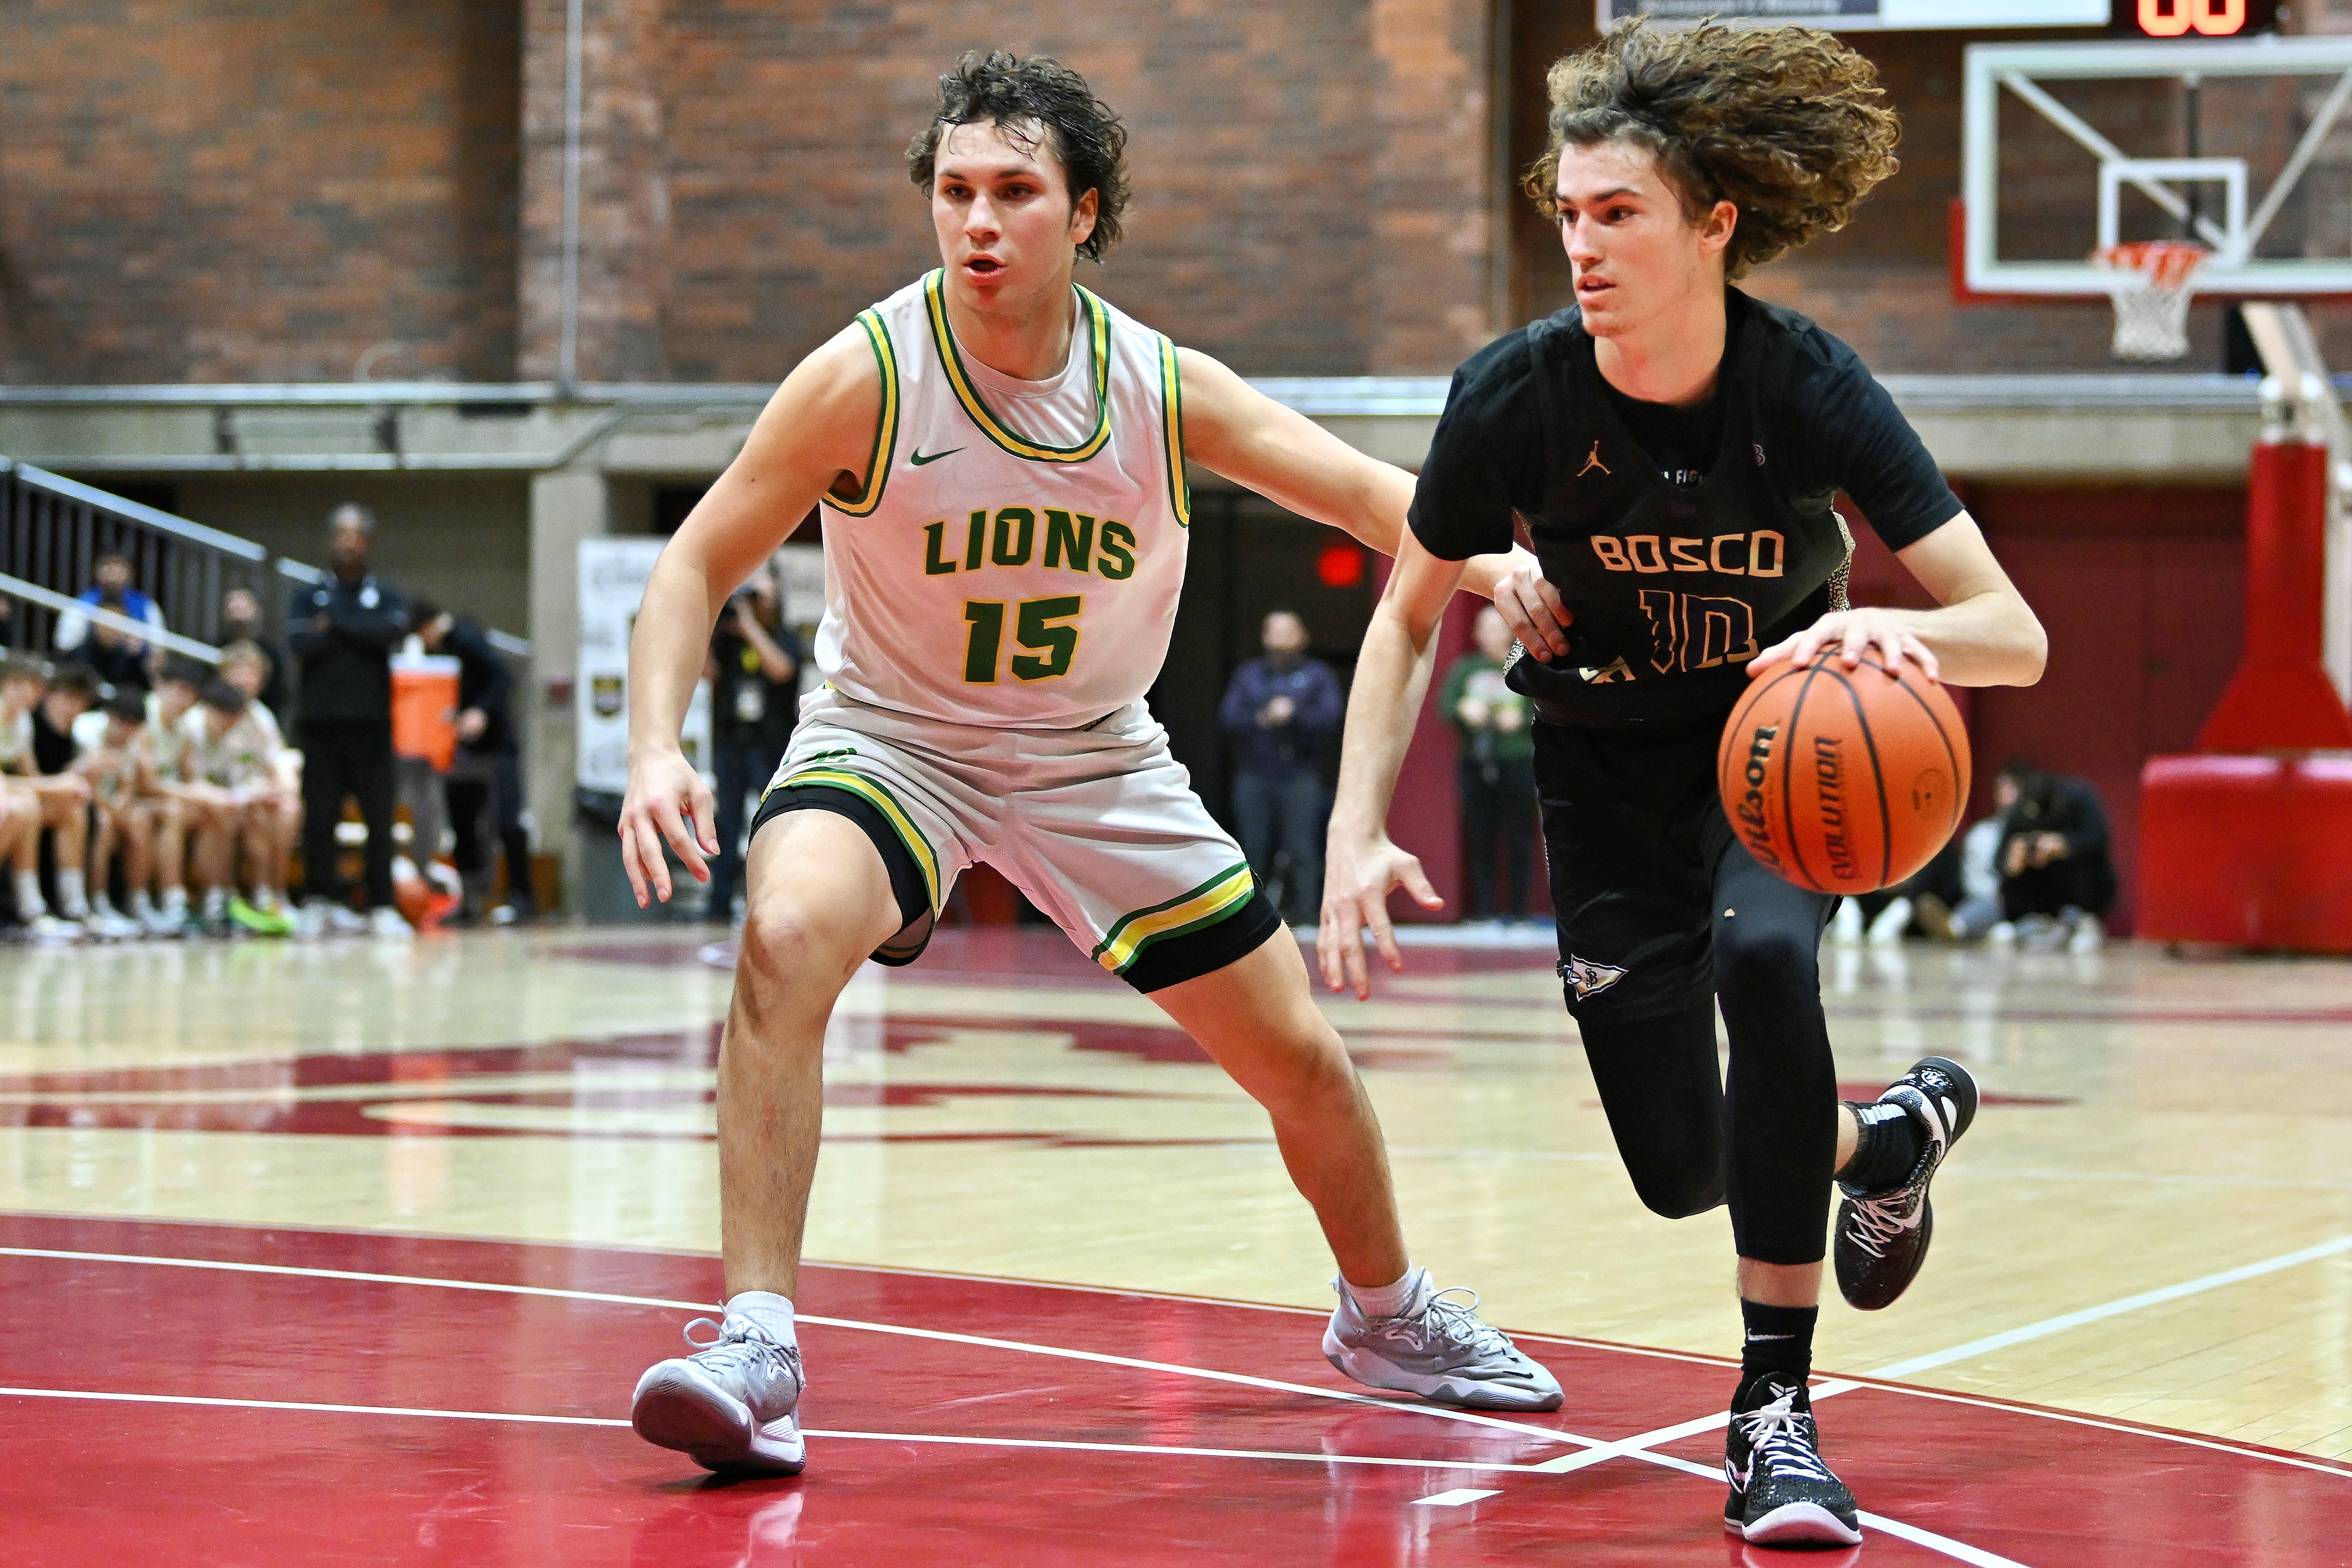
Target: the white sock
(216, 903)
(765, 1308)
(30, 905)
(1395, 1300)
(268, 900)
(73, 895)
(141, 906)
(175, 900)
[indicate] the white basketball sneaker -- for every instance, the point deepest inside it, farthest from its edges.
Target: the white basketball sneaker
(1440, 1350)
(729, 1407)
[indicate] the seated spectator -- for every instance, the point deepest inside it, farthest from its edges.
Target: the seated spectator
(110, 762)
(239, 799)
(1956, 897)
(113, 576)
(241, 623)
(2056, 877)
(117, 658)
(37, 745)
(166, 796)
(487, 779)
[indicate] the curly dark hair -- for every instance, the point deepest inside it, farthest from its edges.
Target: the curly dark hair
(1015, 94)
(1786, 123)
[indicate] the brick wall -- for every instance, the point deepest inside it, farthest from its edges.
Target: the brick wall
(1309, 178)
(256, 190)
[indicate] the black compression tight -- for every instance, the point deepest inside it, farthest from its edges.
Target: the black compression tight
(1657, 1079)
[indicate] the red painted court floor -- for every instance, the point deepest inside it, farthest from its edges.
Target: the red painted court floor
(216, 1394)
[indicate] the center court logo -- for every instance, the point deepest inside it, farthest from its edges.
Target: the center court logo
(1588, 978)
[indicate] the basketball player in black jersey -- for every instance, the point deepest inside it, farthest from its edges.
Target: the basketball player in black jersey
(1673, 446)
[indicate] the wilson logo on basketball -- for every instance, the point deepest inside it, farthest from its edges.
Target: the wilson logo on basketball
(1755, 832)
(1843, 780)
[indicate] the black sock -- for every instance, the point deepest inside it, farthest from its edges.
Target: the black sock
(1779, 1344)
(1888, 1145)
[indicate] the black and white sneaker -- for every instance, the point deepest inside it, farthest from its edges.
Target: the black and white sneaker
(1881, 1237)
(1781, 1493)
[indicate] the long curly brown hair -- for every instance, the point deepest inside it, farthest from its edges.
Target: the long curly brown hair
(1787, 123)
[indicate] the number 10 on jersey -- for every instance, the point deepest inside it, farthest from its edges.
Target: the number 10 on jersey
(1050, 647)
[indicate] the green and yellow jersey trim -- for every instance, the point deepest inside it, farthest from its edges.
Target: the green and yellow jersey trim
(886, 424)
(1171, 411)
(1221, 896)
(878, 797)
(968, 394)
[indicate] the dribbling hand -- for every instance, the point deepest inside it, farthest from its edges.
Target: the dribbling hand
(667, 802)
(1357, 876)
(1848, 636)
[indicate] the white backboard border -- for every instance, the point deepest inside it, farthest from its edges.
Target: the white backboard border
(1993, 70)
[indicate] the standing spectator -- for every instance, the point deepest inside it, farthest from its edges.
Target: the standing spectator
(754, 673)
(1497, 770)
(118, 658)
(1280, 709)
(488, 774)
(343, 633)
(241, 623)
(2056, 876)
(113, 573)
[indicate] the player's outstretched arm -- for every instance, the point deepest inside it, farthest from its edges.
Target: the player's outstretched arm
(1233, 429)
(1983, 633)
(816, 432)
(1360, 863)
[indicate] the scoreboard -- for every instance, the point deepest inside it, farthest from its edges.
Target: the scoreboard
(2119, 18)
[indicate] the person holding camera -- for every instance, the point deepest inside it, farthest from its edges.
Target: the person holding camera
(754, 673)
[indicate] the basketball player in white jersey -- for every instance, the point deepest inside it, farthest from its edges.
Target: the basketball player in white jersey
(1001, 459)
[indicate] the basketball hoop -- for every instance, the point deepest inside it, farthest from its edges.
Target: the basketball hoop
(2151, 282)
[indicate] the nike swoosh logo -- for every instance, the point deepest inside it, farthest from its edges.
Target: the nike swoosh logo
(919, 458)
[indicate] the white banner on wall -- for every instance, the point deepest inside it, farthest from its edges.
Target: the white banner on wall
(612, 574)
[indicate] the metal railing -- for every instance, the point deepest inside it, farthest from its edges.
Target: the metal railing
(53, 530)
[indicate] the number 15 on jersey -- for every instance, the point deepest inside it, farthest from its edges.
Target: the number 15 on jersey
(1037, 626)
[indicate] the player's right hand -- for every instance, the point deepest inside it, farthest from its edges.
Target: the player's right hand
(667, 802)
(1357, 876)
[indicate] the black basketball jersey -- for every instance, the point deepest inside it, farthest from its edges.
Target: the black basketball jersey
(1677, 575)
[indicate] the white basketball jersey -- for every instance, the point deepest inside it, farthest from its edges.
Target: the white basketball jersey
(1015, 558)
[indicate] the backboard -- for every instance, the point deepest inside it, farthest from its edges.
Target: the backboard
(2240, 145)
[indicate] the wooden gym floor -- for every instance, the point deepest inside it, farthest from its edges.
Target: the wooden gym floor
(344, 1251)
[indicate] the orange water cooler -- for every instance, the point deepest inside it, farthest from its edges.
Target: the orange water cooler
(425, 708)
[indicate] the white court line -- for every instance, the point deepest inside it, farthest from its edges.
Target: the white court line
(1913, 1534)
(1456, 1497)
(1633, 1447)
(308, 1409)
(1437, 1412)
(2065, 1320)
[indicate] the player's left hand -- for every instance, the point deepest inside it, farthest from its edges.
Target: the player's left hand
(1848, 636)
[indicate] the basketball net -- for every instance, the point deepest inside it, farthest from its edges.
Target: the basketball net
(2151, 282)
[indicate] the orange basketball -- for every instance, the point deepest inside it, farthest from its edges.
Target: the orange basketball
(1843, 780)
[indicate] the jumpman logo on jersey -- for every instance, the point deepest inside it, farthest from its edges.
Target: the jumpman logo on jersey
(1592, 460)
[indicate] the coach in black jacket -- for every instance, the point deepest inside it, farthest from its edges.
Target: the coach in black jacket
(342, 633)
(490, 775)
